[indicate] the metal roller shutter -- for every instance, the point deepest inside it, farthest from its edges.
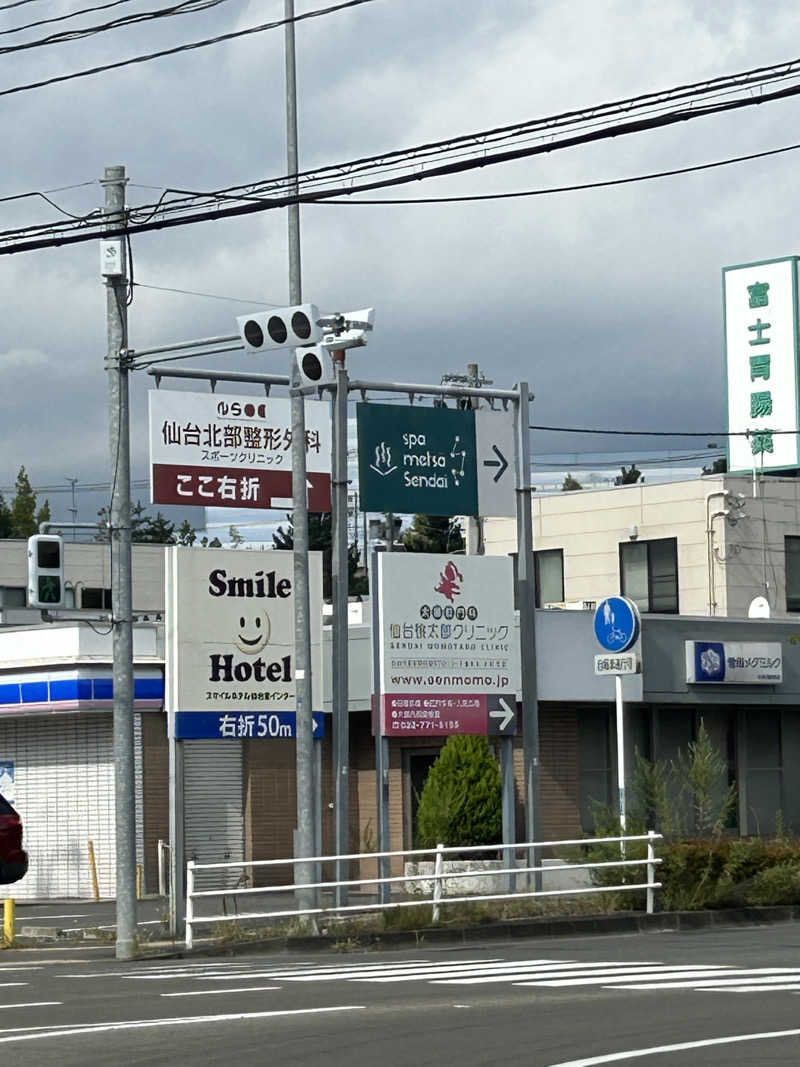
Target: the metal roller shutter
(64, 784)
(214, 807)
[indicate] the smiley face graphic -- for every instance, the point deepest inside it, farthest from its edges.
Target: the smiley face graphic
(253, 633)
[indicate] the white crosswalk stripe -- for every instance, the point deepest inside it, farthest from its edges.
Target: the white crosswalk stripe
(538, 973)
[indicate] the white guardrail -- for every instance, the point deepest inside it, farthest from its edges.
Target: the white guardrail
(436, 879)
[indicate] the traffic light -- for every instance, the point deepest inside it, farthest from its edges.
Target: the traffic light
(280, 328)
(314, 365)
(45, 571)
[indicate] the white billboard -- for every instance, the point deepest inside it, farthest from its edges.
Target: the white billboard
(230, 640)
(761, 364)
(448, 646)
(234, 451)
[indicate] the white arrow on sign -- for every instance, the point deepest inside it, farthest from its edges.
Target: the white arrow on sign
(505, 713)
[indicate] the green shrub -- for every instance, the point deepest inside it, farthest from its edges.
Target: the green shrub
(777, 885)
(690, 872)
(461, 801)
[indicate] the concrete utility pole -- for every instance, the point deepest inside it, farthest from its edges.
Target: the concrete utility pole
(114, 181)
(302, 629)
(527, 627)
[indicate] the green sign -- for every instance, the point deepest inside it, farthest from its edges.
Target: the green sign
(417, 460)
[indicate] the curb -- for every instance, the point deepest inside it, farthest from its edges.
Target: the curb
(509, 930)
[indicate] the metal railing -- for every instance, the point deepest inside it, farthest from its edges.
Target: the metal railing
(439, 879)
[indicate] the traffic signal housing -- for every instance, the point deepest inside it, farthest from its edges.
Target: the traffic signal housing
(314, 365)
(289, 327)
(45, 571)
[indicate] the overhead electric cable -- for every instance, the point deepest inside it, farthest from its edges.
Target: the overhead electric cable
(483, 137)
(209, 296)
(63, 18)
(189, 47)
(479, 140)
(17, 3)
(656, 433)
(184, 7)
(573, 188)
(461, 166)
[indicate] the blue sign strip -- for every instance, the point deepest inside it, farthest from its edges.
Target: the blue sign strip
(72, 690)
(241, 725)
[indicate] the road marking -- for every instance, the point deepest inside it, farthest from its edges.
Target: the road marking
(7, 985)
(217, 992)
(567, 971)
(30, 918)
(683, 1046)
(686, 978)
(754, 989)
(736, 976)
(34, 1033)
(33, 1004)
(369, 973)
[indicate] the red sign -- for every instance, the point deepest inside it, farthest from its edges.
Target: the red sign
(235, 487)
(434, 714)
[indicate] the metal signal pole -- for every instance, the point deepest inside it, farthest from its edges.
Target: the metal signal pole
(339, 591)
(302, 629)
(114, 181)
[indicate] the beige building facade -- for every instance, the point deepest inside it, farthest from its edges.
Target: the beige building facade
(707, 546)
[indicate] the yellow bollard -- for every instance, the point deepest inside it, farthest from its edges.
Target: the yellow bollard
(8, 923)
(139, 881)
(93, 869)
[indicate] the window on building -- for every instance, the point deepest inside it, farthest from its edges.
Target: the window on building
(13, 596)
(98, 599)
(649, 574)
(792, 548)
(594, 764)
(549, 568)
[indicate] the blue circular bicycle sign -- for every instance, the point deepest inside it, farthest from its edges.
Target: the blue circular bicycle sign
(616, 623)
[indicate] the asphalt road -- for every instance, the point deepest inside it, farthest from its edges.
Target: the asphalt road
(703, 999)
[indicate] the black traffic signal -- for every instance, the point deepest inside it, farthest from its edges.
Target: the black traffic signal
(280, 328)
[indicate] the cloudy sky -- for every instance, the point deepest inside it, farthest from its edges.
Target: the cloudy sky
(608, 301)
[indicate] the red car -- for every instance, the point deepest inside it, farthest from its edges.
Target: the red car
(13, 858)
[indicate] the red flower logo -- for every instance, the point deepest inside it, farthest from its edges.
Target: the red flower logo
(450, 581)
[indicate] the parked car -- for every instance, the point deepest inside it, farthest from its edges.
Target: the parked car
(13, 858)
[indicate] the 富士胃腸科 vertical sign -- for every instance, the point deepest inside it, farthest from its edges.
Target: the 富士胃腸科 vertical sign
(761, 310)
(448, 645)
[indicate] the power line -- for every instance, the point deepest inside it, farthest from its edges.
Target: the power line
(209, 296)
(461, 166)
(574, 188)
(18, 3)
(183, 47)
(659, 433)
(62, 18)
(479, 140)
(184, 7)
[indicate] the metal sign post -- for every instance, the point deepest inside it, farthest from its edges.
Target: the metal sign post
(616, 627)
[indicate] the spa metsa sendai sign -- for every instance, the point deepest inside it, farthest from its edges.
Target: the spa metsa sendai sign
(230, 664)
(761, 345)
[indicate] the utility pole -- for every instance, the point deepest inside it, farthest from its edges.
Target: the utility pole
(119, 532)
(302, 630)
(74, 509)
(339, 592)
(527, 628)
